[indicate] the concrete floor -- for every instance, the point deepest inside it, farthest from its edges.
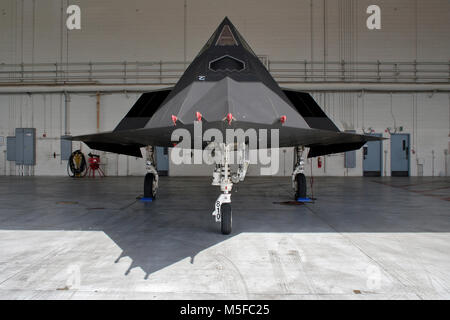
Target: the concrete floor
(364, 238)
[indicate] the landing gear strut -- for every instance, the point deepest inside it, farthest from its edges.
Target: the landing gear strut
(223, 177)
(151, 178)
(298, 176)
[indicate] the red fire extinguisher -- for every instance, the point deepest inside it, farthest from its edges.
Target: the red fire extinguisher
(319, 162)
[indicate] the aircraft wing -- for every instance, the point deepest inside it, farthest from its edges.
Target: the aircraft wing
(320, 142)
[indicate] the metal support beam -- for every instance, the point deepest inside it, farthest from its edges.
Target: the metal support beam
(309, 86)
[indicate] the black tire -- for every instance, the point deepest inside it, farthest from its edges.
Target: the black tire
(227, 217)
(148, 186)
(300, 179)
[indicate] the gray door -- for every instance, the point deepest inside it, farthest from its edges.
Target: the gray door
(400, 155)
(372, 158)
(162, 161)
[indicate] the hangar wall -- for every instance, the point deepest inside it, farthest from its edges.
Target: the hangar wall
(33, 32)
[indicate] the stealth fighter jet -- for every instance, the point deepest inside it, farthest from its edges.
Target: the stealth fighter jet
(226, 87)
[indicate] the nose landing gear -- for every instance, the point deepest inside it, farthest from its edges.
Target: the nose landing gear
(222, 177)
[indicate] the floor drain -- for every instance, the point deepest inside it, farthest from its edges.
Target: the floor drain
(67, 202)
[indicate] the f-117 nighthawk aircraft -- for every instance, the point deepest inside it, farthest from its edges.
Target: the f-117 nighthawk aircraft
(226, 87)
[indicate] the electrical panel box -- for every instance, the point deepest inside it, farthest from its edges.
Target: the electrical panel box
(26, 146)
(11, 148)
(350, 156)
(66, 148)
(350, 159)
(19, 145)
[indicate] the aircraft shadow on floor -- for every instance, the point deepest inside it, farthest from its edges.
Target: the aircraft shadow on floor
(179, 224)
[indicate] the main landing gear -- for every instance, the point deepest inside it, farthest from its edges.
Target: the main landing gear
(223, 177)
(298, 176)
(151, 178)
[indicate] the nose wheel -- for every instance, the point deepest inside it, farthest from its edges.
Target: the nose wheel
(226, 218)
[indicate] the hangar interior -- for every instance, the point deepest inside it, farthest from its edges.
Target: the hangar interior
(393, 82)
(389, 81)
